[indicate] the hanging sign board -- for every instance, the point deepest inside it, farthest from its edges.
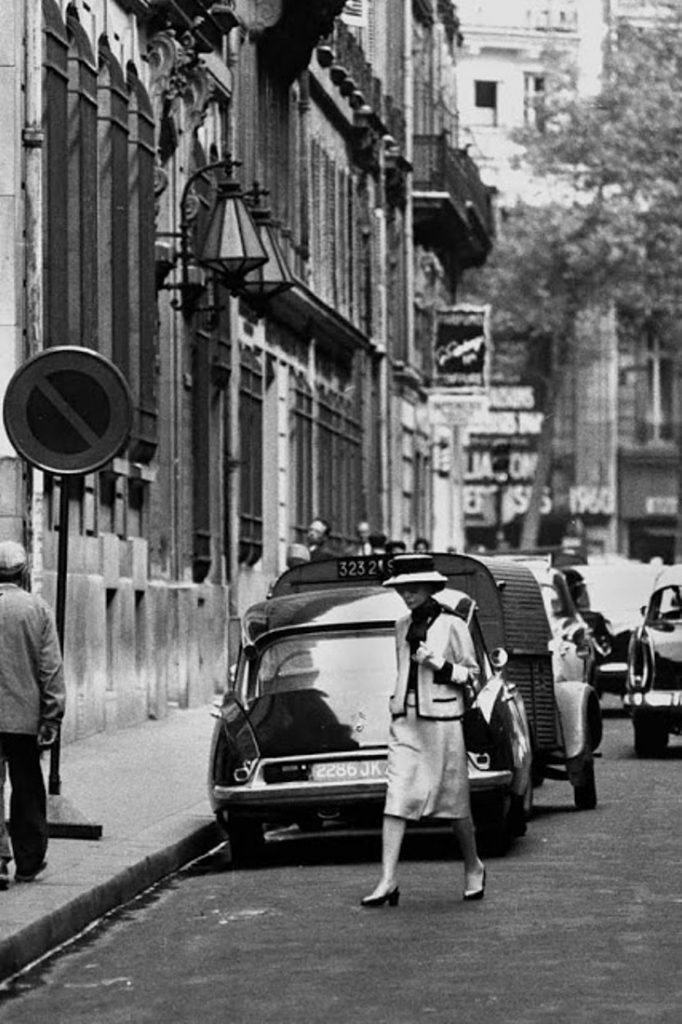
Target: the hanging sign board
(461, 356)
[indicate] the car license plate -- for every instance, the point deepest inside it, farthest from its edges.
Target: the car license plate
(349, 771)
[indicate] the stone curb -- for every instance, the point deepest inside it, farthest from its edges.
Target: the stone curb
(58, 926)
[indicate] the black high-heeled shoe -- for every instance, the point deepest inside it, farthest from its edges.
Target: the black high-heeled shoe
(475, 894)
(391, 898)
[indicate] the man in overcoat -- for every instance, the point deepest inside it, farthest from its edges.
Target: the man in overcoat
(32, 699)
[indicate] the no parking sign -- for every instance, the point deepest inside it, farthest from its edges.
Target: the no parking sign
(68, 410)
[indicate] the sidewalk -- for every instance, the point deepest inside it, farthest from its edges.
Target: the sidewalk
(147, 787)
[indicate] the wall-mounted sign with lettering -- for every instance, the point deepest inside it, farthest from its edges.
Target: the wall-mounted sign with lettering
(661, 505)
(591, 500)
(461, 355)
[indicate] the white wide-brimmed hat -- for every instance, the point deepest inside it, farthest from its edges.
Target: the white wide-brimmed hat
(414, 569)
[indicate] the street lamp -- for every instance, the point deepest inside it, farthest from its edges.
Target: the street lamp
(272, 277)
(231, 246)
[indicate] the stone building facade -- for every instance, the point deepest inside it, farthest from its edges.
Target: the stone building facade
(251, 413)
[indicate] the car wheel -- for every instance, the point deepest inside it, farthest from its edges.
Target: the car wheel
(651, 736)
(585, 795)
(247, 842)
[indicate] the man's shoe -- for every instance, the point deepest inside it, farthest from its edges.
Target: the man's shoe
(29, 876)
(4, 875)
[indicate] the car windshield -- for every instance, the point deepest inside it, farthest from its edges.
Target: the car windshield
(619, 591)
(323, 692)
(336, 664)
(666, 604)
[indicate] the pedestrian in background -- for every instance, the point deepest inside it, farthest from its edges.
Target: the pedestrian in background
(362, 532)
(378, 543)
(318, 539)
(395, 547)
(32, 699)
(427, 762)
(422, 546)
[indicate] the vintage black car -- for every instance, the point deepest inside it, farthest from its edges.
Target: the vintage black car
(654, 674)
(302, 731)
(609, 595)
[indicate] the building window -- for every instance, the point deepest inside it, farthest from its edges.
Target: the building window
(113, 210)
(485, 101)
(56, 176)
(251, 457)
(82, 187)
(534, 101)
(339, 466)
(300, 456)
(142, 298)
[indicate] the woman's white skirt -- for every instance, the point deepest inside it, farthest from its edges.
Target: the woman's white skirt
(427, 769)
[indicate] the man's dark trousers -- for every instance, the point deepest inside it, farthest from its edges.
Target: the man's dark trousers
(28, 802)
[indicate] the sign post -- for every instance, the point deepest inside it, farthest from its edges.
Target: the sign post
(68, 412)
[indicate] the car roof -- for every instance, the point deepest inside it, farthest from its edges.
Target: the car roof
(332, 608)
(618, 589)
(668, 576)
(510, 606)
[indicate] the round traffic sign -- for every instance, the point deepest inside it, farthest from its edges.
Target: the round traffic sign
(68, 410)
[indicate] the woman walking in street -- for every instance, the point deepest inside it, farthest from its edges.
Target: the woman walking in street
(427, 763)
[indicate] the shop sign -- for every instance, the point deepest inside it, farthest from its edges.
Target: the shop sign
(462, 349)
(661, 505)
(592, 500)
(522, 465)
(480, 499)
(506, 422)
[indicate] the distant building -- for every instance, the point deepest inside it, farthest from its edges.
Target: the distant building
(615, 462)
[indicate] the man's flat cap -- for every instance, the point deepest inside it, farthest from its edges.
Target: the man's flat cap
(12, 558)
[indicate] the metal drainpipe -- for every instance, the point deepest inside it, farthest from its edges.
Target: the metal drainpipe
(409, 152)
(382, 348)
(231, 393)
(394, 421)
(32, 143)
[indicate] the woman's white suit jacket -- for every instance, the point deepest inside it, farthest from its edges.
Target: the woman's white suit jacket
(448, 637)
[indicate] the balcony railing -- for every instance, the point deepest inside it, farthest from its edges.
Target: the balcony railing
(440, 168)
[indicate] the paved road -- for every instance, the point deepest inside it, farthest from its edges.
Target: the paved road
(582, 922)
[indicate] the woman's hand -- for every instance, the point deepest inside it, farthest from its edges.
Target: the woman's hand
(425, 656)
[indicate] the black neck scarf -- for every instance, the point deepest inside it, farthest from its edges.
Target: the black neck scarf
(423, 616)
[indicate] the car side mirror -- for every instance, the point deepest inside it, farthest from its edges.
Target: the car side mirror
(642, 610)
(499, 658)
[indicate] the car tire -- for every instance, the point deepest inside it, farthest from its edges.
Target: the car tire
(651, 736)
(247, 842)
(585, 795)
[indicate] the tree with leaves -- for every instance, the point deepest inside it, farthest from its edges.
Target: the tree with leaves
(604, 226)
